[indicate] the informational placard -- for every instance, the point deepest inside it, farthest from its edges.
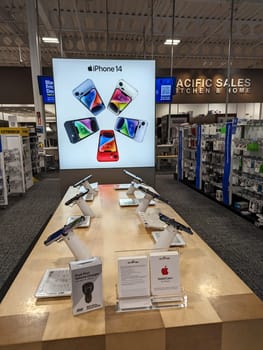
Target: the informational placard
(105, 113)
(133, 275)
(165, 89)
(46, 89)
(133, 282)
(165, 273)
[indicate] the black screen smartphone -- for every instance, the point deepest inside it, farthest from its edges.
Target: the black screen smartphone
(79, 129)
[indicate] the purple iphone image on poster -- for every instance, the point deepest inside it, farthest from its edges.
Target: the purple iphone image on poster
(132, 128)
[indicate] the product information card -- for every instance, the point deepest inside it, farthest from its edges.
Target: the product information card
(86, 278)
(165, 274)
(133, 283)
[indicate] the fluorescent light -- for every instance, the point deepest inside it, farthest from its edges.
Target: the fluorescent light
(50, 40)
(172, 42)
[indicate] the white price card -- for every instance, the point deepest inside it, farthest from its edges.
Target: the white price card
(133, 277)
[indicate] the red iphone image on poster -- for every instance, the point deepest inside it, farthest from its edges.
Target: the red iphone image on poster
(107, 147)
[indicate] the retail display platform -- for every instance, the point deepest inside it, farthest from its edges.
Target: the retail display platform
(222, 312)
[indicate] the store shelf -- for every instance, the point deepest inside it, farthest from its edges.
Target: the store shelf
(229, 163)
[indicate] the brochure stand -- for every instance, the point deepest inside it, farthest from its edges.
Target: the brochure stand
(148, 280)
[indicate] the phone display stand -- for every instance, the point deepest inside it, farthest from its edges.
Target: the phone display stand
(121, 186)
(144, 203)
(151, 220)
(86, 211)
(76, 246)
(141, 298)
(85, 208)
(87, 197)
(92, 189)
(132, 188)
(84, 224)
(85, 186)
(132, 202)
(177, 241)
(166, 238)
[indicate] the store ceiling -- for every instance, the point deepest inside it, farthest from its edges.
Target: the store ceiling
(125, 29)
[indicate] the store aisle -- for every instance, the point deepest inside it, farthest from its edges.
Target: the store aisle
(22, 222)
(238, 242)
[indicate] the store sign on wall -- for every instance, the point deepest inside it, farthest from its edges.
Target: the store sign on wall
(195, 86)
(218, 85)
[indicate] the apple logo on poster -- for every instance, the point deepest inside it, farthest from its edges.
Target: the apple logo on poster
(164, 270)
(90, 68)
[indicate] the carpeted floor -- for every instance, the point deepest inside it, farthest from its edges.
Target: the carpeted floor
(21, 224)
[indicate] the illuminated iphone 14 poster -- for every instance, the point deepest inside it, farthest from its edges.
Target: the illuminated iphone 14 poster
(79, 129)
(122, 96)
(105, 112)
(89, 96)
(132, 128)
(107, 147)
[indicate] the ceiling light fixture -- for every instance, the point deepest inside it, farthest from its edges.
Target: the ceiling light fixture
(172, 42)
(50, 40)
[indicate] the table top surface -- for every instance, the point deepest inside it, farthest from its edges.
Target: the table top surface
(215, 293)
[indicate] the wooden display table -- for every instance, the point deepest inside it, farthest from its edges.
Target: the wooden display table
(222, 312)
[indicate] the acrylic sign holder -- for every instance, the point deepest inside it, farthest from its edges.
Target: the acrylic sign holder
(142, 298)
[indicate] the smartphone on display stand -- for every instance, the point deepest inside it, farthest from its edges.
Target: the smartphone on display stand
(107, 147)
(88, 95)
(132, 128)
(122, 96)
(79, 129)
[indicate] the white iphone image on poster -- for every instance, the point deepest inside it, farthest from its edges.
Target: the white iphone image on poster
(122, 96)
